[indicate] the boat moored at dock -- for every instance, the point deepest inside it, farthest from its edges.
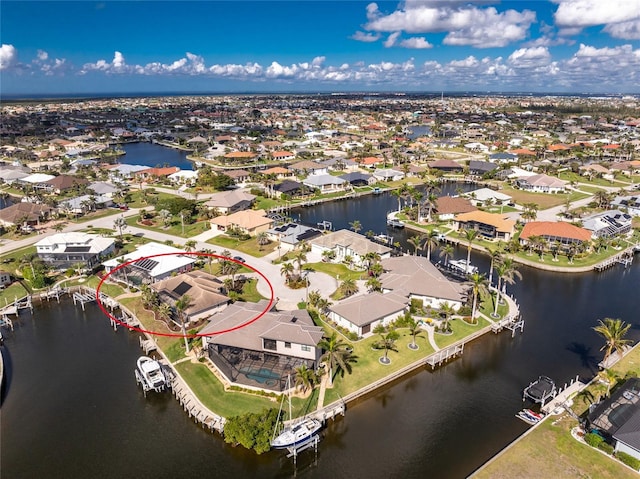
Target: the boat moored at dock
(150, 375)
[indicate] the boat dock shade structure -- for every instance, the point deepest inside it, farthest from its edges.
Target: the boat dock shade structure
(540, 390)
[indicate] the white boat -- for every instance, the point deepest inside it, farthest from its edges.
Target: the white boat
(529, 416)
(394, 223)
(462, 266)
(150, 374)
(297, 433)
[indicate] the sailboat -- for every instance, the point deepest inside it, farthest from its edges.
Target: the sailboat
(298, 432)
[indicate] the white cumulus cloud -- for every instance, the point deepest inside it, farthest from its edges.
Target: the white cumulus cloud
(620, 17)
(416, 42)
(365, 37)
(8, 56)
(391, 39)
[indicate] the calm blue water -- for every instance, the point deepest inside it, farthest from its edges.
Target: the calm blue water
(72, 409)
(152, 155)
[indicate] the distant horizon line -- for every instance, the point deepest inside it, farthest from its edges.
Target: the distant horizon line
(454, 93)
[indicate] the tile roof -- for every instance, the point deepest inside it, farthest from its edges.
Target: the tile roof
(500, 222)
(453, 204)
(560, 229)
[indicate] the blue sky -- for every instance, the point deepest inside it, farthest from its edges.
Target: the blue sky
(238, 46)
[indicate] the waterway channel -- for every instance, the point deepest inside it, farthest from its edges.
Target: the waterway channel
(152, 155)
(71, 407)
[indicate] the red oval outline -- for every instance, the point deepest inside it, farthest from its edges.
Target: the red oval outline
(176, 335)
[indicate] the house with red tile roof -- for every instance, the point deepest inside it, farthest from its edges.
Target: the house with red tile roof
(489, 225)
(283, 155)
(555, 231)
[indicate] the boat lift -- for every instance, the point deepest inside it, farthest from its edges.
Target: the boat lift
(540, 390)
(295, 450)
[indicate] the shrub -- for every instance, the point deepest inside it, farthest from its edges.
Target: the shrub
(606, 447)
(253, 430)
(594, 440)
(629, 460)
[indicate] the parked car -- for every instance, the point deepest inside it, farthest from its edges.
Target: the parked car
(239, 258)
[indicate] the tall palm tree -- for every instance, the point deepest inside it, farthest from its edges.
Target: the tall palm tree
(417, 197)
(337, 354)
(469, 235)
(509, 274)
(496, 257)
(190, 245)
(374, 284)
(414, 330)
(430, 241)
(416, 242)
(446, 310)
(613, 331)
(478, 286)
(300, 257)
(387, 342)
(355, 225)
(447, 252)
(305, 378)
(348, 287)
(262, 239)
(121, 224)
(181, 306)
(286, 270)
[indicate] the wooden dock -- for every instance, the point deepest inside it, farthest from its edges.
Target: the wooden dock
(624, 258)
(510, 323)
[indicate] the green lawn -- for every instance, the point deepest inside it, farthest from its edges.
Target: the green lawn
(250, 292)
(211, 393)
(10, 260)
(461, 329)
(335, 269)
(570, 176)
(175, 229)
(368, 368)
(109, 289)
(543, 200)
(13, 292)
(250, 246)
(550, 452)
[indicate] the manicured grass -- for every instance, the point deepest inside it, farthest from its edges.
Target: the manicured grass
(137, 202)
(335, 269)
(250, 292)
(461, 329)
(630, 363)
(175, 229)
(250, 246)
(111, 290)
(570, 176)
(368, 369)
(15, 256)
(487, 306)
(13, 292)
(543, 200)
(549, 451)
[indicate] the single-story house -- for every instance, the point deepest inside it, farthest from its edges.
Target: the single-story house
(206, 293)
(631, 203)
(238, 176)
(66, 250)
(608, 223)
(324, 182)
(541, 184)
(290, 188)
(157, 172)
(489, 225)
(479, 168)
(292, 233)
(356, 178)
(279, 171)
(183, 177)
(251, 222)
(361, 314)
(618, 418)
(156, 262)
(348, 243)
(388, 175)
(448, 206)
(283, 155)
(502, 157)
(230, 201)
(415, 277)
(482, 196)
(280, 341)
(552, 231)
(308, 167)
(63, 183)
(445, 165)
(82, 204)
(24, 213)
(102, 188)
(5, 279)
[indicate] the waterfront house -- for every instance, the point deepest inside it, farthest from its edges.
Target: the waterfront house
(363, 313)
(227, 202)
(492, 226)
(447, 166)
(346, 243)
(156, 262)
(555, 231)
(416, 278)
(608, 224)
(541, 184)
(5, 279)
(356, 178)
(617, 418)
(324, 182)
(447, 207)
(485, 196)
(250, 222)
(290, 188)
(261, 353)
(205, 292)
(388, 175)
(479, 168)
(291, 234)
(68, 250)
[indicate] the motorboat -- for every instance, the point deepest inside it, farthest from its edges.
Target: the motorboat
(296, 434)
(529, 416)
(394, 223)
(150, 374)
(462, 266)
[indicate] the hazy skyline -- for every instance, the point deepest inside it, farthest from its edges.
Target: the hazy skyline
(416, 45)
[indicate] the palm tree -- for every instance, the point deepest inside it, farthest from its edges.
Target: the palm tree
(374, 284)
(337, 354)
(58, 227)
(609, 378)
(414, 330)
(164, 311)
(398, 194)
(509, 274)
(181, 306)
(121, 224)
(496, 257)
(430, 241)
(416, 242)
(469, 235)
(355, 225)
(447, 252)
(262, 239)
(417, 197)
(446, 310)
(300, 257)
(305, 378)
(286, 270)
(189, 246)
(613, 331)
(348, 287)
(478, 286)
(388, 343)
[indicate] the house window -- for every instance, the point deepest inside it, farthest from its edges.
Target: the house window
(269, 344)
(287, 345)
(306, 348)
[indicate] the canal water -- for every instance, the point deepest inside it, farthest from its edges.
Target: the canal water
(152, 155)
(71, 407)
